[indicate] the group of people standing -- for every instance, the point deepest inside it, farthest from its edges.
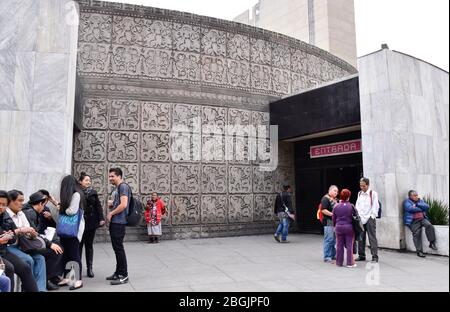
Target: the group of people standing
(48, 267)
(339, 216)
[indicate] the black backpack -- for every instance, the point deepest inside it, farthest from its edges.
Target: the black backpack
(134, 215)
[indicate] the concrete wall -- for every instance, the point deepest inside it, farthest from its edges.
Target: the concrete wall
(38, 46)
(333, 24)
(405, 129)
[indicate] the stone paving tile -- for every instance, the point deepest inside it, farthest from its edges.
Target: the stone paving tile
(258, 263)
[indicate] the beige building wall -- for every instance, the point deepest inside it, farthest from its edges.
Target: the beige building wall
(331, 22)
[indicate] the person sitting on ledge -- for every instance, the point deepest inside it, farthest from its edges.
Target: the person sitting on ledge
(415, 217)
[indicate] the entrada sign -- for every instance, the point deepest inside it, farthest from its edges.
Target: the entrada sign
(334, 149)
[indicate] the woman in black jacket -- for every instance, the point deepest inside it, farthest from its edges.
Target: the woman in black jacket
(93, 217)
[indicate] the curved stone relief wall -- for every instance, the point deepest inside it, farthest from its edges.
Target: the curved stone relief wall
(144, 70)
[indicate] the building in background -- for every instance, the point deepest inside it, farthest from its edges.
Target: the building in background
(327, 24)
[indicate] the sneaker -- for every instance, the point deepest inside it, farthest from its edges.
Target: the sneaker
(352, 266)
(277, 238)
(433, 246)
(52, 286)
(421, 254)
(112, 277)
(374, 259)
(360, 259)
(121, 280)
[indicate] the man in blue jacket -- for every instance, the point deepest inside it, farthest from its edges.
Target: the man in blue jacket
(415, 217)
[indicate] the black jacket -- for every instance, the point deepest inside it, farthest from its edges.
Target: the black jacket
(93, 213)
(35, 220)
(6, 224)
(283, 198)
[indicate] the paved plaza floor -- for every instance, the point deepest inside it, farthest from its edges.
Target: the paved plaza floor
(258, 263)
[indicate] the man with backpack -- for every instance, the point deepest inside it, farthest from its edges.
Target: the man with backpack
(368, 208)
(117, 219)
(283, 209)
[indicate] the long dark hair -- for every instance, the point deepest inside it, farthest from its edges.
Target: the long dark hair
(69, 185)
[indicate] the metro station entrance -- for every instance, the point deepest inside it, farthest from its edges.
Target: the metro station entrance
(313, 177)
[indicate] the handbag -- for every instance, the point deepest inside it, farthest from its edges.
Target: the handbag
(32, 245)
(357, 224)
(68, 226)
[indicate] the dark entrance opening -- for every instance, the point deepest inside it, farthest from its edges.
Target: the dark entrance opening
(313, 177)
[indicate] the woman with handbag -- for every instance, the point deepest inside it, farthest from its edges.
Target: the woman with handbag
(155, 209)
(93, 218)
(71, 227)
(345, 235)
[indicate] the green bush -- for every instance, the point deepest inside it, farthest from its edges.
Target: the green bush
(438, 213)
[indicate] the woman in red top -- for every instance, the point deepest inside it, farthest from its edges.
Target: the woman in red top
(154, 211)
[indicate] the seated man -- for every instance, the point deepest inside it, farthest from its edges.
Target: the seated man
(15, 220)
(46, 218)
(53, 254)
(415, 217)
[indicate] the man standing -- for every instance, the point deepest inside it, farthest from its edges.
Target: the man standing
(329, 239)
(415, 217)
(283, 207)
(117, 219)
(367, 206)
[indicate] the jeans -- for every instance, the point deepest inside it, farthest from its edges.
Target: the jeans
(16, 266)
(5, 283)
(283, 227)
(37, 264)
(117, 233)
(329, 243)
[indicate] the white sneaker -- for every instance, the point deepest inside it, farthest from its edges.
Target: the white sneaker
(352, 266)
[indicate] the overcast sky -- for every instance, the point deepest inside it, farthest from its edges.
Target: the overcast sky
(416, 27)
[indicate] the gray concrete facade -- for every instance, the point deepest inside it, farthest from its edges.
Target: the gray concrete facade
(38, 48)
(143, 71)
(405, 129)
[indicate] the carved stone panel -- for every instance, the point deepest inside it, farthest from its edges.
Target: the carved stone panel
(214, 209)
(187, 116)
(95, 114)
(214, 42)
(93, 58)
(185, 147)
(187, 66)
(213, 148)
(124, 115)
(238, 73)
(214, 179)
(90, 146)
(284, 175)
(156, 116)
(214, 69)
(143, 32)
(214, 120)
(239, 179)
(298, 83)
(281, 56)
(261, 77)
(155, 147)
(130, 175)
(126, 60)
(239, 117)
(95, 28)
(185, 179)
(264, 207)
(298, 61)
(97, 172)
(281, 80)
(238, 47)
(155, 178)
(123, 146)
(240, 150)
(240, 208)
(263, 181)
(156, 63)
(185, 209)
(186, 38)
(261, 52)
